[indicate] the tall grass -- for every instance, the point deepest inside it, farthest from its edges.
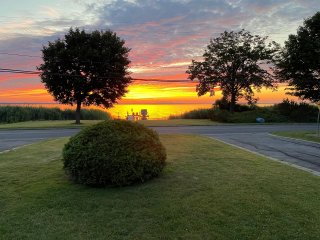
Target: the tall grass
(194, 114)
(297, 112)
(286, 111)
(11, 114)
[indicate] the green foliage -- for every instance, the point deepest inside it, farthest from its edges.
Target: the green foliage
(114, 153)
(299, 62)
(12, 114)
(233, 62)
(221, 116)
(297, 112)
(224, 104)
(267, 113)
(93, 114)
(86, 68)
(287, 111)
(194, 114)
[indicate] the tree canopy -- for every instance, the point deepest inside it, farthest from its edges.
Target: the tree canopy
(86, 68)
(299, 62)
(237, 63)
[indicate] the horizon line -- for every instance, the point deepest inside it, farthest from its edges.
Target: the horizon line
(162, 103)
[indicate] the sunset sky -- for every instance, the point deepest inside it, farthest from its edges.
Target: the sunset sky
(164, 35)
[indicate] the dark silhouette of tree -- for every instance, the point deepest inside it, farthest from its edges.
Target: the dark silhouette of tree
(299, 62)
(237, 62)
(86, 69)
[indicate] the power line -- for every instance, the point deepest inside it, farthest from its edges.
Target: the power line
(89, 61)
(18, 54)
(4, 18)
(9, 70)
(161, 80)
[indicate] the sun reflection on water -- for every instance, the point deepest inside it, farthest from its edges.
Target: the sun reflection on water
(155, 111)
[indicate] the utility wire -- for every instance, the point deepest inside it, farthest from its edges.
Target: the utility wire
(18, 54)
(98, 62)
(9, 70)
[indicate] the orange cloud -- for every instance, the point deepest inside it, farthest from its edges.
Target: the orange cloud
(9, 76)
(25, 95)
(141, 92)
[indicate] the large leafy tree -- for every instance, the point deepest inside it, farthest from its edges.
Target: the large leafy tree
(86, 69)
(299, 62)
(237, 63)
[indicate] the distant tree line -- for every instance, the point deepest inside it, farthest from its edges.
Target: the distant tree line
(286, 111)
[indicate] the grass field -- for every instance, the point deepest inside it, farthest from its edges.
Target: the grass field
(48, 124)
(71, 124)
(208, 190)
(178, 122)
(304, 135)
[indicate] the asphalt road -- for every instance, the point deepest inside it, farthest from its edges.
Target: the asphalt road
(10, 139)
(302, 153)
(235, 128)
(255, 138)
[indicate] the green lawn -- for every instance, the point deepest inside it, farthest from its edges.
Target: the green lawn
(304, 135)
(70, 124)
(208, 190)
(48, 124)
(178, 122)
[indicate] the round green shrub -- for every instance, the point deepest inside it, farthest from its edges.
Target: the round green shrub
(114, 153)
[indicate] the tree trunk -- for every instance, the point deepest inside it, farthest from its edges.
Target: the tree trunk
(232, 103)
(78, 112)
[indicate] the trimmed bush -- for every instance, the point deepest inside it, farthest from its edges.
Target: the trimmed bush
(114, 153)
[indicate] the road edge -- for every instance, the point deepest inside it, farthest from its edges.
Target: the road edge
(295, 139)
(271, 158)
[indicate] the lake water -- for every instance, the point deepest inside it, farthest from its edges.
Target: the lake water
(155, 111)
